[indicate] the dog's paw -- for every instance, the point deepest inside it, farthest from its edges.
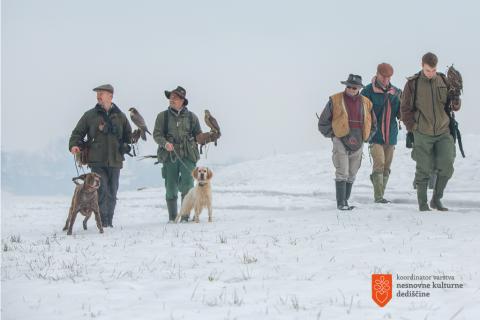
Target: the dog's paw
(101, 231)
(209, 219)
(69, 233)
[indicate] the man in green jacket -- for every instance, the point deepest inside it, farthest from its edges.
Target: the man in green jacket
(423, 104)
(108, 134)
(386, 105)
(175, 133)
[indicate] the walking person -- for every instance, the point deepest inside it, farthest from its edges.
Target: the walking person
(423, 110)
(386, 106)
(108, 135)
(175, 133)
(348, 119)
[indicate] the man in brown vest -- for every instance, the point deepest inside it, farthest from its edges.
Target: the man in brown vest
(348, 119)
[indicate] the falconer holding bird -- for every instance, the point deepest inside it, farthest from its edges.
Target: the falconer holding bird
(178, 133)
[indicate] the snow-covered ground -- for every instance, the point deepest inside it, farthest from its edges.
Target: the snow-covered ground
(277, 249)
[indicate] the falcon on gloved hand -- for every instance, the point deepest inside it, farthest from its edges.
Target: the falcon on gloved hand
(213, 125)
(138, 120)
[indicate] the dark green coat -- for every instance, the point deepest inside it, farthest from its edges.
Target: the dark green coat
(104, 143)
(182, 128)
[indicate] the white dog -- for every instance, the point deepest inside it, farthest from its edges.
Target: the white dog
(198, 197)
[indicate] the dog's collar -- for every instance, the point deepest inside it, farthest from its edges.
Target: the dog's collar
(89, 188)
(202, 184)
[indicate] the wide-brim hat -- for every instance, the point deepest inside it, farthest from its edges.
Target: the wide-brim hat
(354, 80)
(104, 87)
(181, 92)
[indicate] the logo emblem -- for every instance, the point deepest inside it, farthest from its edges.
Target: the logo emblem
(381, 288)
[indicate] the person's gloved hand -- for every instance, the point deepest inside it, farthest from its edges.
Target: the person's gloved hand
(203, 138)
(214, 135)
(136, 135)
(455, 103)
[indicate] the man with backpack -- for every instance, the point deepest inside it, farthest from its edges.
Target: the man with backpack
(175, 133)
(423, 110)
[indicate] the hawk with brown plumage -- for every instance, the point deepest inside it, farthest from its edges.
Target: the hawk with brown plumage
(455, 87)
(454, 81)
(211, 122)
(213, 125)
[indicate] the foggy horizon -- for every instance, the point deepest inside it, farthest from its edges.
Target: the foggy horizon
(262, 69)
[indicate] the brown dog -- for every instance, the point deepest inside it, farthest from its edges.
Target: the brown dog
(198, 197)
(85, 201)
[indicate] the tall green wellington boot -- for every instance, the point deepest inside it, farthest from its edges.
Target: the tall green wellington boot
(422, 197)
(440, 185)
(377, 181)
(172, 209)
(385, 181)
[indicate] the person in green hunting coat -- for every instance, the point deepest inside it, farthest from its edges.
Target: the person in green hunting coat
(108, 135)
(386, 105)
(423, 111)
(175, 133)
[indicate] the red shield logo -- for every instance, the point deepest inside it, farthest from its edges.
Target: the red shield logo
(381, 288)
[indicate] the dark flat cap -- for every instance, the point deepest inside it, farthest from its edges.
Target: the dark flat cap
(104, 87)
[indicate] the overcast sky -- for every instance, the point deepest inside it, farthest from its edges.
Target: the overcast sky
(263, 68)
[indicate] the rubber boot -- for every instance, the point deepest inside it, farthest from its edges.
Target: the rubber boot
(184, 218)
(440, 184)
(385, 181)
(172, 209)
(377, 181)
(347, 194)
(341, 191)
(422, 197)
(110, 220)
(432, 181)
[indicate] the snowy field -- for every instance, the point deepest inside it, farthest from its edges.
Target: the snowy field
(277, 249)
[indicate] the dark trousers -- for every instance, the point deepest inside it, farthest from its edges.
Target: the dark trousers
(107, 193)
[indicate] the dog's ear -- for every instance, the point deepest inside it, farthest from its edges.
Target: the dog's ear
(97, 175)
(195, 173)
(209, 174)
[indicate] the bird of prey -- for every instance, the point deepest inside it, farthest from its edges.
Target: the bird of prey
(138, 120)
(213, 125)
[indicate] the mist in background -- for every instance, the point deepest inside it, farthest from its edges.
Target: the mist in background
(263, 68)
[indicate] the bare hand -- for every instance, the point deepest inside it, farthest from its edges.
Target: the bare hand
(75, 150)
(169, 146)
